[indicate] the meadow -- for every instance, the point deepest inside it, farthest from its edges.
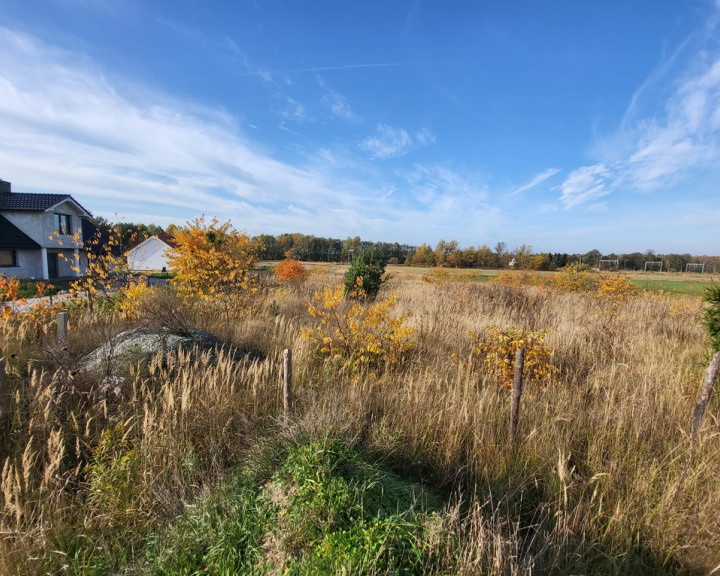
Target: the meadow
(398, 464)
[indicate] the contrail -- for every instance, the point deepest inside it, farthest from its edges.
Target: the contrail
(329, 68)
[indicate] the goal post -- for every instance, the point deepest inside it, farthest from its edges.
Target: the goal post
(609, 264)
(695, 267)
(654, 266)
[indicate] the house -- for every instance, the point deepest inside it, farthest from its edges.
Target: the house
(150, 255)
(41, 235)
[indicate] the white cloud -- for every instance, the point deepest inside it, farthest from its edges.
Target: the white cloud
(388, 142)
(664, 146)
(536, 181)
(424, 137)
(290, 109)
(584, 186)
(338, 106)
(123, 148)
(441, 188)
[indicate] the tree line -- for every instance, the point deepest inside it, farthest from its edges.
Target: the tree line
(450, 254)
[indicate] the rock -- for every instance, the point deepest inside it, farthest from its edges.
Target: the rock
(142, 344)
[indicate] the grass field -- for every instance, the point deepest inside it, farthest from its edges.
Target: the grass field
(184, 464)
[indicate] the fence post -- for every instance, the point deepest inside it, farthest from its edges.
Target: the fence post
(62, 327)
(4, 390)
(516, 392)
(705, 393)
(287, 383)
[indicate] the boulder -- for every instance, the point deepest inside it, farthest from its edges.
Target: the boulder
(142, 344)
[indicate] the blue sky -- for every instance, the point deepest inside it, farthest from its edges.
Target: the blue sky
(563, 125)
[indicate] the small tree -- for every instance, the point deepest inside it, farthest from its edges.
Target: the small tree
(365, 275)
(104, 265)
(712, 314)
(212, 262)
(712, 321)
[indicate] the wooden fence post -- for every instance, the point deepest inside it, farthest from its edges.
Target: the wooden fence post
(4, 390)
(705, 393)
(62, 327)
(287, 384)
(516, 392)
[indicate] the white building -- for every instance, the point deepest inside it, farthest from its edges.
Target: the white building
(150, 255)
(41, 235)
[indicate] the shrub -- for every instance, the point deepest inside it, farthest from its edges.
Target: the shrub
(365, 275)
(517, 278)
(9, 288)
(615, 287)
(437, 276)
(495, 351)
(574, 277)
(357, 338)
(290, 270)
(712, 314)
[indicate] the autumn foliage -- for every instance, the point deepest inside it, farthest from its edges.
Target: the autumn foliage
(290, 270)
(354, 338)
(494, 351)
(212, 261)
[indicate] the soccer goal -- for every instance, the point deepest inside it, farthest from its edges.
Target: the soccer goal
(609, 264)
(695, 267)
(656, 266)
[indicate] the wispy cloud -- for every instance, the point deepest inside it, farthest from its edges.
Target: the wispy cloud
(388, 142)
(440, 187)
(536, 181)
(290, 109)
(339, 107)
(123, 148)
(584, 186)
(659, 148)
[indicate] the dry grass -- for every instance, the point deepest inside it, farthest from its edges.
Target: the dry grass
(603, 477)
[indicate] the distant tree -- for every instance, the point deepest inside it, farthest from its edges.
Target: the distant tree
(423, 256)
(486, 258)
(269, 246)
(350, 248)
(523, 257)
(445, 253)
(634, 261)
(592, 258)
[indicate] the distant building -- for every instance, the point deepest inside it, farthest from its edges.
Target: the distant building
(41, 235)
(150, 255)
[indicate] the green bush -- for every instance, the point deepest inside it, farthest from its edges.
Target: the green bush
(365, 276)
(712, 314)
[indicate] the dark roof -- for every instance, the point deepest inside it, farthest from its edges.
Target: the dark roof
(169, 239)
(33, 201)
(12, 237)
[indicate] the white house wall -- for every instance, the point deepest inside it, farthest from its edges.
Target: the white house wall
(40, 226)
(29, 265)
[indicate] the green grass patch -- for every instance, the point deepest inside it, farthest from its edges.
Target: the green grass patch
(672, 286)
(319, 507)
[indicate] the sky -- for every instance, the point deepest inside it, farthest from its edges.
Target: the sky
(563, 125)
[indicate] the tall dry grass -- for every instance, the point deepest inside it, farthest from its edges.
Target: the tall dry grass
(602, 478)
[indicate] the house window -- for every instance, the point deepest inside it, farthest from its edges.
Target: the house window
(63, 224)
(8, 258)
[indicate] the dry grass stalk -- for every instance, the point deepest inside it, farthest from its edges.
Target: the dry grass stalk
(601, 460)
